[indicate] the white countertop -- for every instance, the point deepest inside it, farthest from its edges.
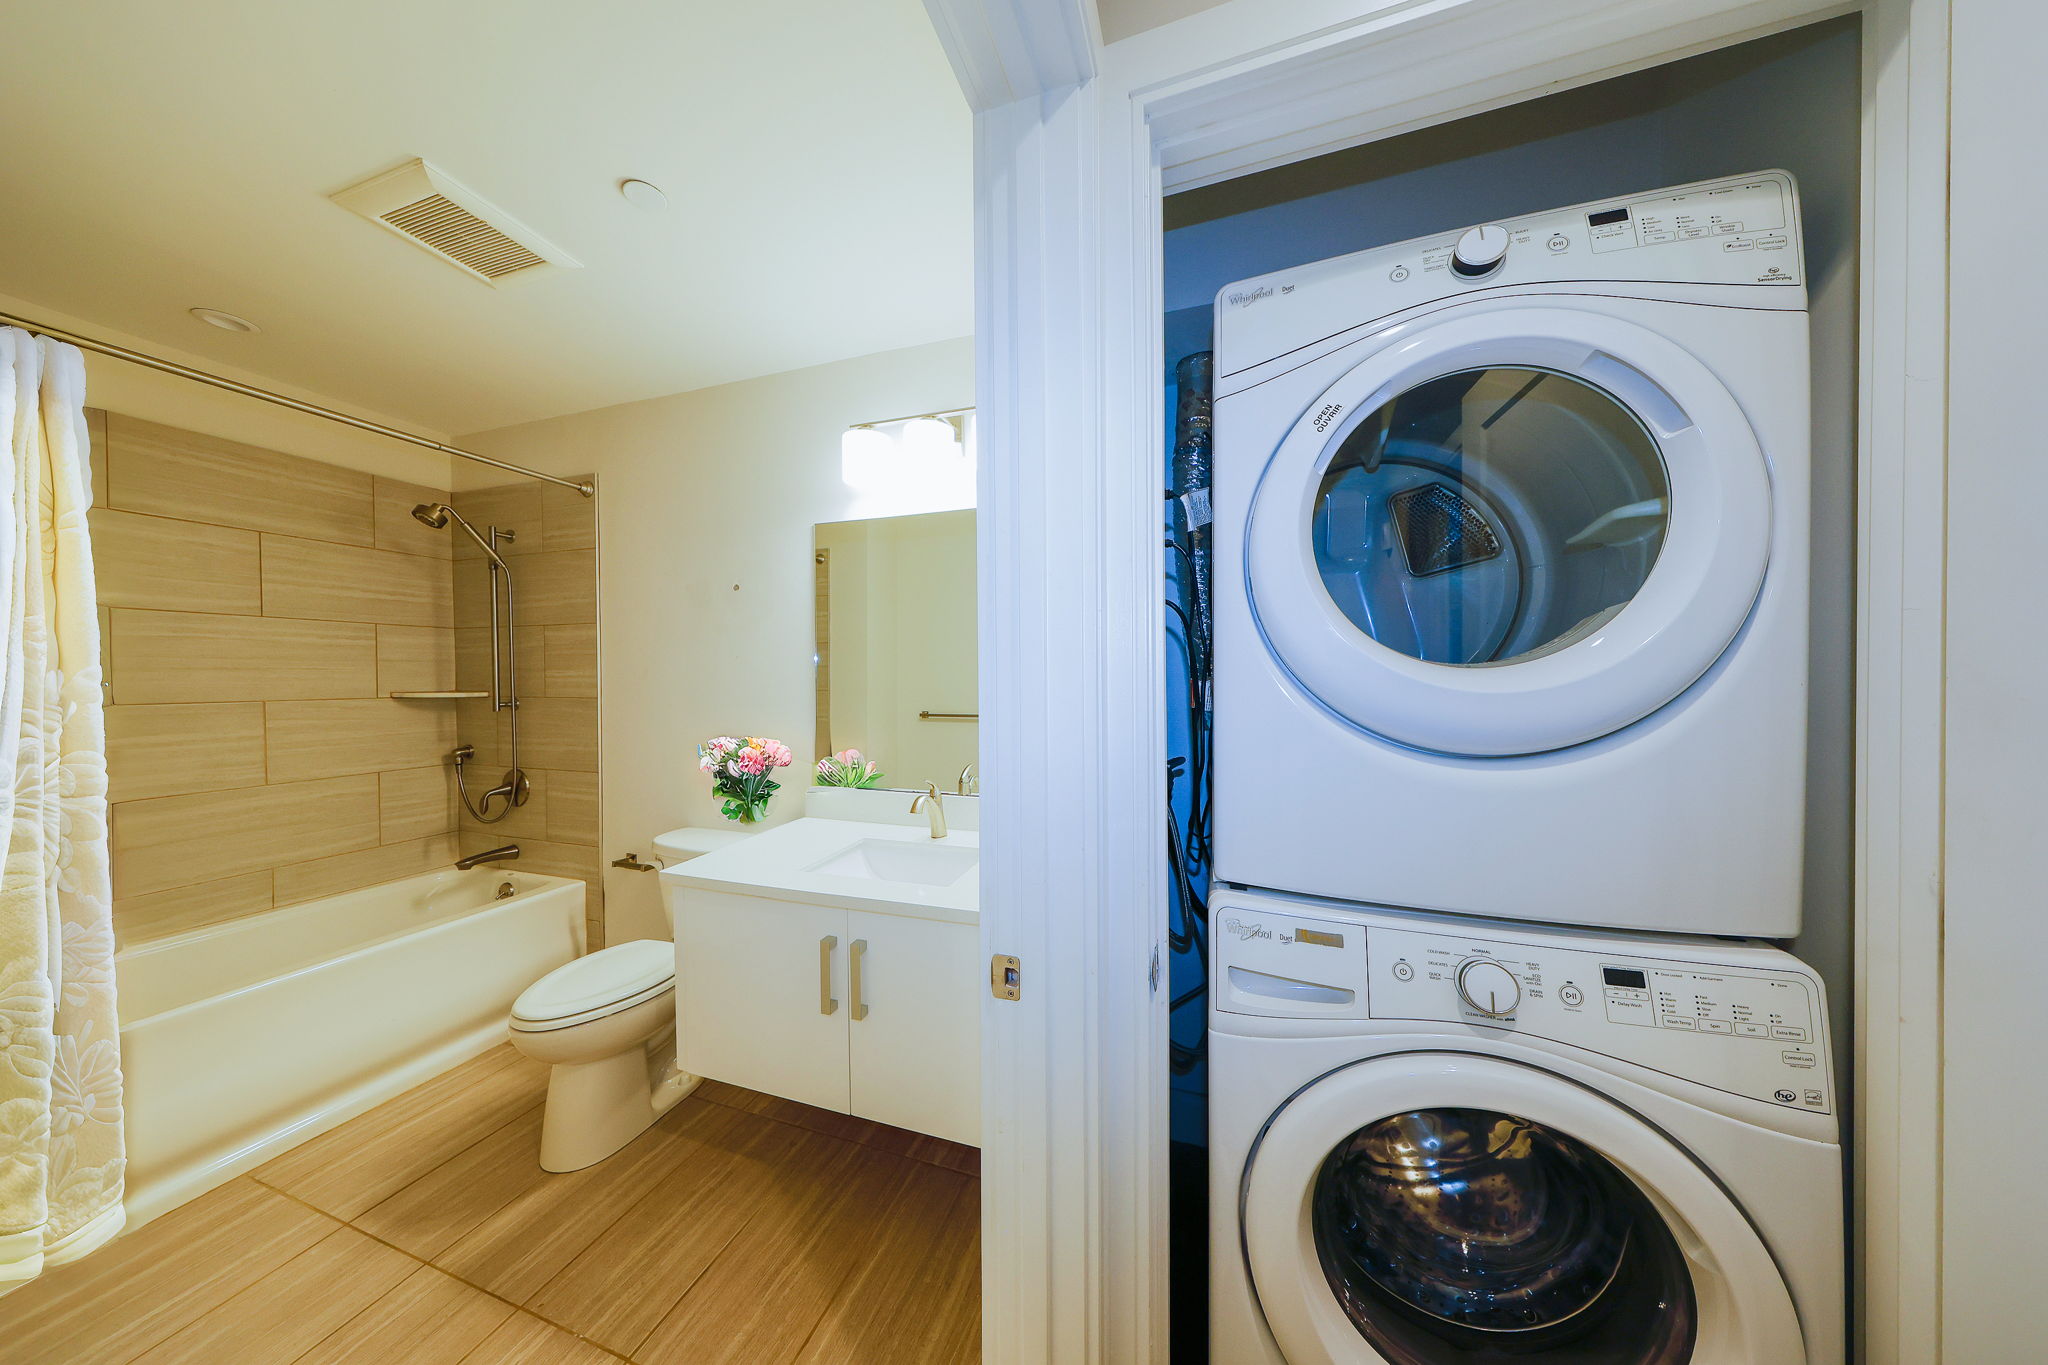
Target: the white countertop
(781, 863)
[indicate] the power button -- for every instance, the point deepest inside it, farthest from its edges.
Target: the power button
(1404, 970)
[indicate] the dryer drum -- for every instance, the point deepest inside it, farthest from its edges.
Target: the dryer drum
(1453, 1234)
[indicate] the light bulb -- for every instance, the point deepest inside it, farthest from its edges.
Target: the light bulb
(865, 455)
(929, 436)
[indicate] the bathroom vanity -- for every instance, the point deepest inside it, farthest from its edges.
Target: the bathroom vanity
(836, 963)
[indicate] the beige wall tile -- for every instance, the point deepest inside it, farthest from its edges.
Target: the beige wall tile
(309, 739)
(315, 579)
(572, 808)
(571, 661)
(175, 841)
(330, 876)
(162, 913)
(512, 507)
(397, 529)
(558, 588)
(141, 561)
(558, 732)
(416, 803)
(172, 473)
(415, 659)
(96, 432)
(175, 656)
(473, 658)
(172, 750)
(568, 519)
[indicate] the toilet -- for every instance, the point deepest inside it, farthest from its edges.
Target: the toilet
(605, 1023)
(595, 1021)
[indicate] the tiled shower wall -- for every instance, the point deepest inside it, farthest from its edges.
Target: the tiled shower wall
(554, 565)
(257, 608)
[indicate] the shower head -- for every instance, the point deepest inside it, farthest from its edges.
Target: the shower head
(438, 515)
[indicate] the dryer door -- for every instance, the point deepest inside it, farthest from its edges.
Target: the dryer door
(1510, 532)
(1440, 1208)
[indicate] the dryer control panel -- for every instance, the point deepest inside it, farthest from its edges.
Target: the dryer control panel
(1746, 1029)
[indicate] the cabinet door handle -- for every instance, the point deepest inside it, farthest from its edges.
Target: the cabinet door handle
(858, 951)
(826, 1004)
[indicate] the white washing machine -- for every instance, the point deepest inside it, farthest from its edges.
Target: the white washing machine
(1439, 1142)
(1511, 568)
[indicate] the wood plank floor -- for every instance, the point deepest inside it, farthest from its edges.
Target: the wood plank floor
(739, 1230)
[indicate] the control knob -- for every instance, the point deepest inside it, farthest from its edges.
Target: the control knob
(1489, 988)
(1480, 251)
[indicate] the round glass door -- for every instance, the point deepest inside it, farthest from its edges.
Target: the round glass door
(1453, 1235)
(1449, 1208)
(1490, 515)
(1509, 530)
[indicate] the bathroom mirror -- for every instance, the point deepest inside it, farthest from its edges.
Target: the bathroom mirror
(895, 634)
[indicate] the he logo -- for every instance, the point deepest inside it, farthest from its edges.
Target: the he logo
(1785, 1096)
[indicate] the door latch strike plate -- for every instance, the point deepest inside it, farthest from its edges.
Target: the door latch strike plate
(1005, 981)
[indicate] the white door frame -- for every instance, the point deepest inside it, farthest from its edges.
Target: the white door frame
(1075, 143)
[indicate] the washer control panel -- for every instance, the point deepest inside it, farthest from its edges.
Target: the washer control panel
(1738, 1026)
(1752, 1032)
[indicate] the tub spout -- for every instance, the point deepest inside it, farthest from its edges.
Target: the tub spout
(489, 855)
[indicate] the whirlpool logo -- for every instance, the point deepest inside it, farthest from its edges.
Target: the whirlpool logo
(1243, 932)
(1245, 297)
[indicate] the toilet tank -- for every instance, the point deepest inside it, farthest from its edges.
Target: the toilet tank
(681, 845)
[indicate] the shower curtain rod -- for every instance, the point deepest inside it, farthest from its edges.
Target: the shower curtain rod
(150, 362)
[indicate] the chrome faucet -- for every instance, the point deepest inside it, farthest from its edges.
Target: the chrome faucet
(489, 855)
(969, 780)
(928, 802)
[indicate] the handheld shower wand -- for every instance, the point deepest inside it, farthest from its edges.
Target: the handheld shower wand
(515, 789)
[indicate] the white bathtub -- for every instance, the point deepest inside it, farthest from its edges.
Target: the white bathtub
(240, 1040)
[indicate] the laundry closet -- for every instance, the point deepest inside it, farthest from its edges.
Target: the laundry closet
(1739, 159)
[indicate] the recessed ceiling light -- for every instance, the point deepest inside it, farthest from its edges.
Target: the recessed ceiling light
(227, 322)
(641, 195)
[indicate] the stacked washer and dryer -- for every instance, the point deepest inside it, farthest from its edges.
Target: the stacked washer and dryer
(1510, 742)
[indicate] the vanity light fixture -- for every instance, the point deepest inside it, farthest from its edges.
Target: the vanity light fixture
(227, 322)
(865, 455)
(923, 463)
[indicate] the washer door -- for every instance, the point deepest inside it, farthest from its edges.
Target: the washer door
(1510, 532)
(1438, 1208)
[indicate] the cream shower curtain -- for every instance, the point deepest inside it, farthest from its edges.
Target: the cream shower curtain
(61, 1158)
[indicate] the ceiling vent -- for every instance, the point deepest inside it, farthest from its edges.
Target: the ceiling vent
(421, 204)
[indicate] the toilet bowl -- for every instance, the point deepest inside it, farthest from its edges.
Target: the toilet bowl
(594, 1021)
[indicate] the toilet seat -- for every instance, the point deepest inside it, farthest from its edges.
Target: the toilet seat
(596, 986)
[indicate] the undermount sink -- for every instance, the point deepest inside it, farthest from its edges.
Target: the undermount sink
(896, 860)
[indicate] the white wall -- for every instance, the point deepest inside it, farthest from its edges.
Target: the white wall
(1995, 926)
(706, 503)
(138, 391)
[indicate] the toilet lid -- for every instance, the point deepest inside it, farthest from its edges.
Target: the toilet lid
(622, 974)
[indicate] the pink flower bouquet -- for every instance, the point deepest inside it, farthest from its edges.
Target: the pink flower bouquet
(740, 771)
(847, 768)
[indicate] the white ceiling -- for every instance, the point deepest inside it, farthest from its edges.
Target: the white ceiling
(816, 155)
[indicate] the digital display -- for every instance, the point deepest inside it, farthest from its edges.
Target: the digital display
(1627, 977)
(1606, 216)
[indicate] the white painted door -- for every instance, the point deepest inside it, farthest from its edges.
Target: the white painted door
(761, 995)
(914, 1024)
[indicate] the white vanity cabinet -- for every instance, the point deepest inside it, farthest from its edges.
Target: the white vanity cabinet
(860, 1011)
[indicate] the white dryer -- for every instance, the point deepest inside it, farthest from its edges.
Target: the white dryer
(1511, 568)
(1438, 1142)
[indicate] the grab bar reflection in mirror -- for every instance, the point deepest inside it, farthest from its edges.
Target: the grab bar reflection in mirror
(949, 715)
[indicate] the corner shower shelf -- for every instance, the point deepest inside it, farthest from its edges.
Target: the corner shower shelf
(437, 696)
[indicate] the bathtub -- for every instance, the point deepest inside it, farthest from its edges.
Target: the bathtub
(243, 1039)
